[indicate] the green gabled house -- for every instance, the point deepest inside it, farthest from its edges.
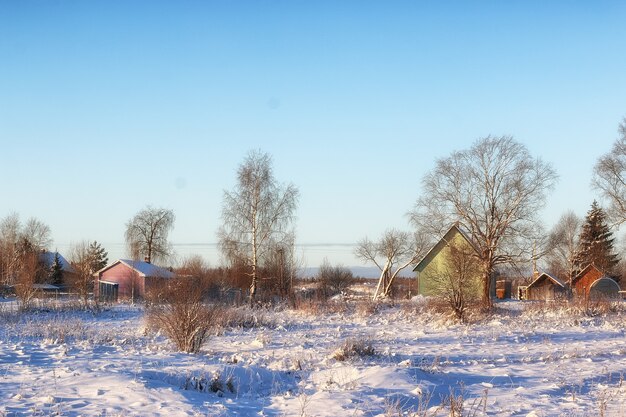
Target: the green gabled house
(440, 260)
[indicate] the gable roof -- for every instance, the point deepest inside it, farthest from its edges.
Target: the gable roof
(544, 276)
(47, 258)
(587, 269)
(142, 268)
(442, 241)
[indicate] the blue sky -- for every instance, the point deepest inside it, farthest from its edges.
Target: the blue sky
(106, 107)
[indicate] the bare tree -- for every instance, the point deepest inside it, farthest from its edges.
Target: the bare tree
(10, 232)
(17, 240)
(395, 251)
(495, 190)
(610, 177)
(29, 273)
(82, 281)
(456, 281)
(146, 234)
(37, 233)
(257, 216)
(563, 246)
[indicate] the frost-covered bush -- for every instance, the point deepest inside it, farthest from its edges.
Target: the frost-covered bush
(181, 313)
(354, 348)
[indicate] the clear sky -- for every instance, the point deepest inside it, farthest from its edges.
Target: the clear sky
(107, 106)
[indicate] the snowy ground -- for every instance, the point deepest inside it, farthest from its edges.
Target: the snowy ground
(521, 362)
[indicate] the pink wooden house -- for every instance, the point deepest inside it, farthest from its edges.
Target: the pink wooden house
(128, 279)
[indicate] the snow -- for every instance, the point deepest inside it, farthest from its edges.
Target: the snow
(48, 260)
(146, 269)
(524, 361)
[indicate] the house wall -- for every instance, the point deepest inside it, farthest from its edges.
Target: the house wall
(583, 284)
(437, 262)
(130, 282)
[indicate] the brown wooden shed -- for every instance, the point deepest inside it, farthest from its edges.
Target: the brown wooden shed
(546, 287)
(592, 280)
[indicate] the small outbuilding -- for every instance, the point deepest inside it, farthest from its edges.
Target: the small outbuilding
(546, 287)
(129, 279)
(594, 283)
(440, 259)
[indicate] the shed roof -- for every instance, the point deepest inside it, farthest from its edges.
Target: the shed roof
(47, 258)
(544, 276)
(586, 270)
(143, 268)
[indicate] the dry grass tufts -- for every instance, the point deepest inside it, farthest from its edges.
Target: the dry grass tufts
(354, 348)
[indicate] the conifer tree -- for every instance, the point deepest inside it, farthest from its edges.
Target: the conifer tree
(596, 242)
(56, 271)
(98, 257)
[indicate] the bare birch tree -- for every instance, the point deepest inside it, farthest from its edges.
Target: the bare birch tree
(146, 234)
(257, 216)
(563, 246)
(610, 177)
(10, 231)
(495, 190)
(395, 251)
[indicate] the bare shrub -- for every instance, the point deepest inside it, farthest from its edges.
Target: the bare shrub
(365, 308)
(354, 348)
(333, 279)
(180, 312)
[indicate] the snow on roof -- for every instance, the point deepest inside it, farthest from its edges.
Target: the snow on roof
(48, 260)
(147, 269)
(550, 277)
(586, 269)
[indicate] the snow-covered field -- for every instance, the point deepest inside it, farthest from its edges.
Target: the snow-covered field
(520, 362)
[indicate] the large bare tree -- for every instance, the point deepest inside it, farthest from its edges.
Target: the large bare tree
(146, 234)
(392, 253)
(610, 177)
(495, 190)
(563, 246)
(257, 216)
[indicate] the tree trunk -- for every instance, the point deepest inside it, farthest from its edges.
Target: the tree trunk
(253, 285)
(381, 281)
(487, 283)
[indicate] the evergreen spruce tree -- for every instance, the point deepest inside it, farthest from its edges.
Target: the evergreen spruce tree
(56, 271)
(596, 242)
(98, 257)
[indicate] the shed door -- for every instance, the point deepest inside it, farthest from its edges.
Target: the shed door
(108, 291)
